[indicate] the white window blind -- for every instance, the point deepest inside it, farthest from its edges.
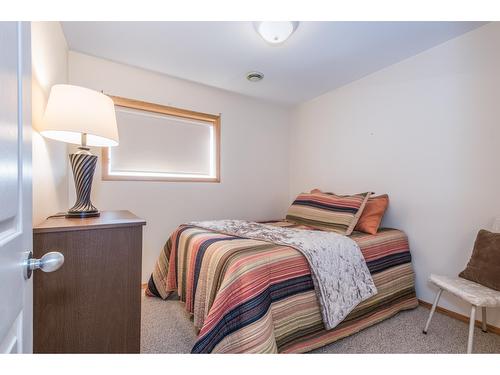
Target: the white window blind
(161, 146)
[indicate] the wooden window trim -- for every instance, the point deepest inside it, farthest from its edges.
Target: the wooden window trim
(214, 120)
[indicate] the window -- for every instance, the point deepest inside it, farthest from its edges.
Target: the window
(160, 143)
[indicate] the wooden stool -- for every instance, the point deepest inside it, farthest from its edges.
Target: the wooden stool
(476, 294)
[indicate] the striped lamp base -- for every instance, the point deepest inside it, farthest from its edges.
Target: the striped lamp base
(83, 166)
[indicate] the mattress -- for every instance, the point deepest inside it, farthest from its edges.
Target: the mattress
(251, 296)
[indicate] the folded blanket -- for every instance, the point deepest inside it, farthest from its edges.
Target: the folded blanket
(339, 272)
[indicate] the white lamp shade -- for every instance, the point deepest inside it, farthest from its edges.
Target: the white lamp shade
(72, 111)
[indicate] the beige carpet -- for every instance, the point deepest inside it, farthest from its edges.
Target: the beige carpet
(166, 328)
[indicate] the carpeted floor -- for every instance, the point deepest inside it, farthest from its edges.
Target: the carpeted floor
(166, 328)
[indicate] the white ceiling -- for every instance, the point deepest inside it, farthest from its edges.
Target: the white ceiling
(318, 57)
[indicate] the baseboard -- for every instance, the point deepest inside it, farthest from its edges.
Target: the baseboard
(457, 316)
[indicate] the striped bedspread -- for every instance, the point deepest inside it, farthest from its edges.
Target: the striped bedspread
(250, 296)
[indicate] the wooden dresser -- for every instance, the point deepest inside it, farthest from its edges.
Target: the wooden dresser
(92, 304)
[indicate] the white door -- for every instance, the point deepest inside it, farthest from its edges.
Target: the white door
(16, 301)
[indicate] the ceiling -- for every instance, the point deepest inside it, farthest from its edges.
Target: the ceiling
(318, 57)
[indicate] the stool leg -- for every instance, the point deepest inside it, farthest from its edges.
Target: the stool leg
(472, 322)
(484, 325)
(436, 300)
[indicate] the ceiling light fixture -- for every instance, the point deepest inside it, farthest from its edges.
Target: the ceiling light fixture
(275, 32)
(255, 76)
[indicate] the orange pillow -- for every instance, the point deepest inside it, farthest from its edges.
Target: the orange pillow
(371, 216)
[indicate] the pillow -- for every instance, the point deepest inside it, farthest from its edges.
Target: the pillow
(327, 211)
(484, 264)
(372, 214)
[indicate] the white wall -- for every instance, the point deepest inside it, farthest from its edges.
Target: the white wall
(254, 155)
(50, 66)
(427, 132)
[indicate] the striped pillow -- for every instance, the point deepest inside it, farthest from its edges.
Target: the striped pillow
(327, 211)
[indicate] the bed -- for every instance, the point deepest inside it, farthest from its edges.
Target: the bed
(253, 296)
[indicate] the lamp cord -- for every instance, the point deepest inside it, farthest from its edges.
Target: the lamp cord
(58, 215)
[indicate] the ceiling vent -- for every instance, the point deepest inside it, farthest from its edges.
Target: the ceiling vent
(255, 76)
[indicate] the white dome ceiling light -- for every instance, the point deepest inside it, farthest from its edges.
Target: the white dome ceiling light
(275, 32)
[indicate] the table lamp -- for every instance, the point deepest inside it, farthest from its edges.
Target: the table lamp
(84, 117)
